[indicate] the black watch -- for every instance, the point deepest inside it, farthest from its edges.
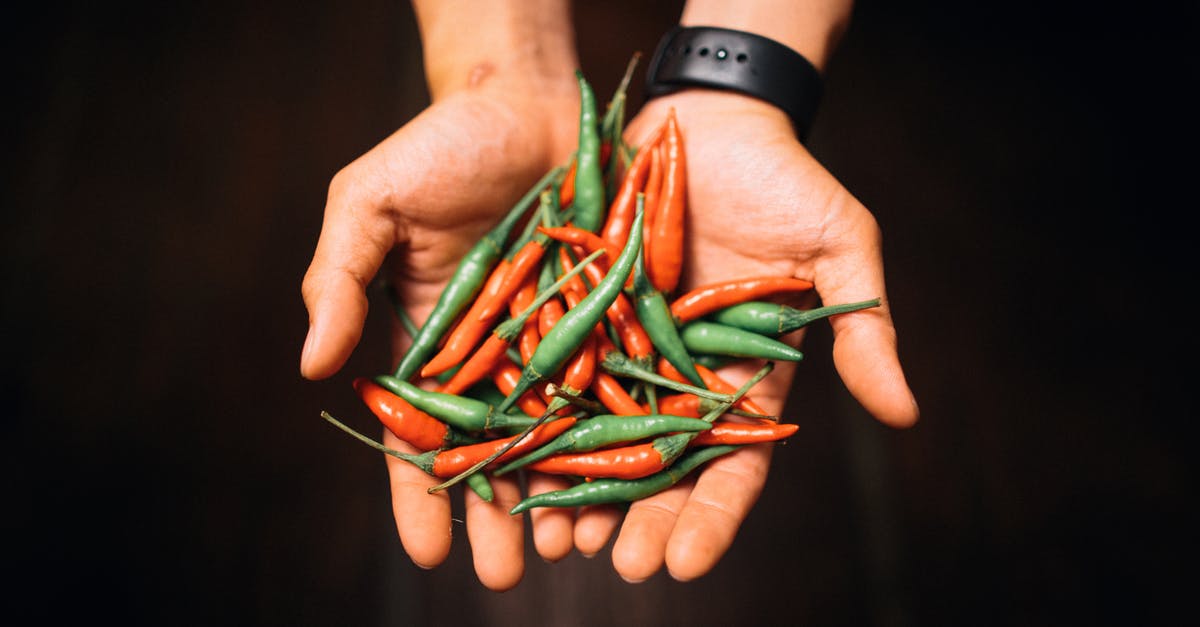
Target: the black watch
(720, 58)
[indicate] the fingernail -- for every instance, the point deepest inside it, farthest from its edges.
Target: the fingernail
(631, 580)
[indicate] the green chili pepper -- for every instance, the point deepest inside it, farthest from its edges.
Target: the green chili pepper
(578, 322)
(465, 283)
(589, 177)
(597, 431)
(655, 315)
(465, 413)
(719, 339)
(624, 490)
(774, 319)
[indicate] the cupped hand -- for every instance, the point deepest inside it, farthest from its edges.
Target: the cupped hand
(758, 204)
(421, 199)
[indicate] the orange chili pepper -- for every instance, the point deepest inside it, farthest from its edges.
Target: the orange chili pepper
(711, 381)
(612, 394)
(624, 206)
(665, 261)
(505, 375)
(744, 433)
(469, 331)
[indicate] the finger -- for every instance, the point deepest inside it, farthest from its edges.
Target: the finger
(497, 539)
(422, 519)
(640, 548)
(553, 527)
(357, 233)
(594, 527)
(724, 493)
(864, 342)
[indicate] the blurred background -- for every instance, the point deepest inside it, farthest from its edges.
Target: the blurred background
(165, 170)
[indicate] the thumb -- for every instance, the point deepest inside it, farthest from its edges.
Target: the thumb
(358, 231)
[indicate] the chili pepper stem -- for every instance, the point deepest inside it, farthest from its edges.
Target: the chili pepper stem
(424, 461)
(620, 365)
(562, 398)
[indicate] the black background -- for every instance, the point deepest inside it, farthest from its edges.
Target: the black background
(165, 170)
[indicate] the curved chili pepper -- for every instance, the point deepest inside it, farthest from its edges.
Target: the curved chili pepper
(701, 336)
(656, 319)
(665, 260)
(613, 395)
(620, 213)
(450, 462)
(774, 319)
(505, 376)
(589, 175)
(744, 433)
(621, 490)
(714, 296)
(523, 263)
(481, 363)
(590, 242)
(465, 283)
(598, 431)
(469, 330)
(712, 381)
(407, 422)
(465, 413)
(577, 323)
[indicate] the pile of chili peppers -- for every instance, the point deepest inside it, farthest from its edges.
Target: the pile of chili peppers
(562, 345)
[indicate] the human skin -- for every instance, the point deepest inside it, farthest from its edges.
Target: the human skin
(504, 111)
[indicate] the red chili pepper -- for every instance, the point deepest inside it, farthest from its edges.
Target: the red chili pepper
(744, 433)
(712, 381)
(479, 365)
(624, 206)
(469, 331)
(505, 376)
(453, 461)
(590, 242)
(566, 193)
(405, 421)
(612, 394)
(650, 199)
(706, 299)
(521, 266)
(680, 405)
(665, 261)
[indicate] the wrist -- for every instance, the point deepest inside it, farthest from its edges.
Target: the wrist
(812, 28)
(523, 46)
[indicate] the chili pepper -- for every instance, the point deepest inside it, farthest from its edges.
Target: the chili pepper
(589, 241)
(712, 381)
(481, 363)
(566, 193)
(470, 328)
(693, 406)
(702, 336)
(621, 490)
(652, 192)
(665, 261)
(450, 462)
(576, 324)
(620, 212)
(709, 298)
(613, 396)
(774, 319)
(589, 176)
(407, 422)
(464, 413)
(523, 262)
(619, 365)
(598, 431)
(465, 283)
(656, 319)
(505, 376)
(744, 433)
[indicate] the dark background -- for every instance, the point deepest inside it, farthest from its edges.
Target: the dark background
(165, 171)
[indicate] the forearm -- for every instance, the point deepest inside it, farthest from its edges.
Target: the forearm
(810, 27)
(470, 43)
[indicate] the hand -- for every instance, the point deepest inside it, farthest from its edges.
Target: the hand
(428, 193)
(758, 204)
